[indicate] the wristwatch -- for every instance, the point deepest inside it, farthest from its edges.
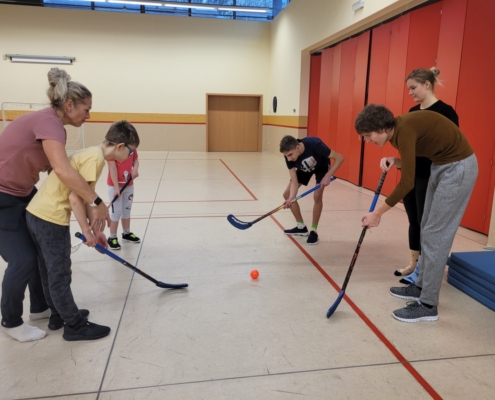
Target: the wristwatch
(96, 202)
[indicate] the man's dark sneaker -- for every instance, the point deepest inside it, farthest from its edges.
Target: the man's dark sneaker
(130, 237)
(416, 312)
(409, 292)
(297, 231)
(86, 331)
(313, 238)
(113, 243)
(56, 322)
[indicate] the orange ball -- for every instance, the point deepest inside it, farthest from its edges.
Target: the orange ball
(255, 274)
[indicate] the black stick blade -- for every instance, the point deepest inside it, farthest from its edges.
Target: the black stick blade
(334, 306)
(238, 223)
(172, 285)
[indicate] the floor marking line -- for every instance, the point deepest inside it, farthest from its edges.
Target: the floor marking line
(235, 176)
(366, 320)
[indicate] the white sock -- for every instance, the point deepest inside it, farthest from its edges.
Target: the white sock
(301, 226)
(24, 333)
(40, 315)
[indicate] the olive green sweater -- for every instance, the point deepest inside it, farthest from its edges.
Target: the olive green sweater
(425, 134)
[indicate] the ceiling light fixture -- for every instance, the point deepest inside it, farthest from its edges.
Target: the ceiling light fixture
(139, 3)
(190, 5)
(39, 59)
(216, 7)
(245, 9)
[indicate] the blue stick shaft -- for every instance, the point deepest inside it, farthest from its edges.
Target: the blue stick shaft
(120, 260)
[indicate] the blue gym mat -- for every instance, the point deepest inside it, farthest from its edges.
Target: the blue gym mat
(470, 292)
(489, 294)
(465, 275)
(480, 263)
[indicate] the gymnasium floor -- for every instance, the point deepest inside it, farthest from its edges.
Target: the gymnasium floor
(230, 337)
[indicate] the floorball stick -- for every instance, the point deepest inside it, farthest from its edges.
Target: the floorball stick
(245, 225)
(334, 306)
(163, 285)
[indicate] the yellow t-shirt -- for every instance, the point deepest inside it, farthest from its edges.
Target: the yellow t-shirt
(51, 203)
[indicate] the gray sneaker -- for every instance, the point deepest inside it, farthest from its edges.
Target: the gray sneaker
(409, 292)
(415, 312)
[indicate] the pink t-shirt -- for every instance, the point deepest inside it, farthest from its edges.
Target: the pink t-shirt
(21, 153)
(124, 169)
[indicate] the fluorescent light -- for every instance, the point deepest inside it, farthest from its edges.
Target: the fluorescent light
(140, 3)
(40, 59)
(218, 7)
(189, 5)
(244, 9)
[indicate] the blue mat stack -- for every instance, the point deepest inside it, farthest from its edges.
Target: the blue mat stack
(473, 273)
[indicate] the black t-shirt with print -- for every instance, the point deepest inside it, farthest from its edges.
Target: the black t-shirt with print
(314, 158)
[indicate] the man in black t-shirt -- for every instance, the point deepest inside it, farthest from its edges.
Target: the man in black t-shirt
(304, 158)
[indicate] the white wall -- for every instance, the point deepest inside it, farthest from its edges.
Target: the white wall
(139, 63)
(306, 25)
(135, 62)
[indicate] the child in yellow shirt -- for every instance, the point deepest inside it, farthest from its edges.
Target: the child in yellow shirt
(48, 219)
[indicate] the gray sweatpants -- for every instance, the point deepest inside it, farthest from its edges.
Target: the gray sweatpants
(447, 197)
(53, 243)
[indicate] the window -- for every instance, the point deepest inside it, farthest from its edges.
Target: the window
(240, 9)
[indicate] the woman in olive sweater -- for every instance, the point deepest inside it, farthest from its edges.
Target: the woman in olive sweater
(453, 173)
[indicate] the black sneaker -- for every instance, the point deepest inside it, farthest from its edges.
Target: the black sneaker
(113, 243)
(313, 238)
(87, 331)
(297, 231)
(416, 312)
(130, 237)
(56, 322)
(409, 292)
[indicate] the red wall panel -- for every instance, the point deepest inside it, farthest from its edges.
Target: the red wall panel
(314, 95)
(345, 97)
(422, 49)
(377, 93)
(334, 101)
(325, 95)
(395, 86)
(474, 106)
(358, 99)
(450, 48)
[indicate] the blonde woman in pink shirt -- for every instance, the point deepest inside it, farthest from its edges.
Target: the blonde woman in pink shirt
(31, 144)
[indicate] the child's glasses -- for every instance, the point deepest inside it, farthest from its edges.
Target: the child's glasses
(131, 151)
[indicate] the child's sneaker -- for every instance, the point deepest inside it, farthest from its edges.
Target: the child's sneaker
(113, 243)
(313, 238)
(297, 231)
(56, 322)
(130, 237)
(85, 331)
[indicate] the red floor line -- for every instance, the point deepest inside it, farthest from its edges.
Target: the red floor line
(366, 320)
(235, 176)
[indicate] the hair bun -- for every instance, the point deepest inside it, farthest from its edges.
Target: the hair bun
(56, 74)
(435, 71)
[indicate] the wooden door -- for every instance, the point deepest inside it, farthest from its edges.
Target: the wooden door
(233, 123)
